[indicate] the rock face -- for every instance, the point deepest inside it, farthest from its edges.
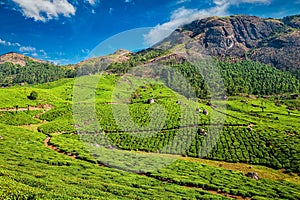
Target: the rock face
(17, 59)
(270, 41)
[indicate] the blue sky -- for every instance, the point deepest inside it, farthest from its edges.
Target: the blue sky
(68, 31)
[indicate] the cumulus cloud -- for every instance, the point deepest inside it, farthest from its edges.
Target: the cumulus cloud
(24, 49)
(183, 16)
(10, 44)
(93, 2)
(27, 49)
(44, 10)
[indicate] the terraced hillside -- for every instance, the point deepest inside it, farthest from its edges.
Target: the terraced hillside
(157, 123)
(42, 157)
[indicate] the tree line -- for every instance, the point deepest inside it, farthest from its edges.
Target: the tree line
(32, 73)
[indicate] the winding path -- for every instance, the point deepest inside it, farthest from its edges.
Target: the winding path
(47, 143)
(217, 192)
(44, 107)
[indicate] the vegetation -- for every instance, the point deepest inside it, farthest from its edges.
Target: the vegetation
(18, 118)
(33, 95)
(203, 176)
(239, 77)
(32, 73)
(62, 158)
(28, 170)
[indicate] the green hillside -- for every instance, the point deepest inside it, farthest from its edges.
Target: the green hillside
(42, 157)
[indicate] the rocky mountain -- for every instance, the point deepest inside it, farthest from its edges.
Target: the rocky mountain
(16, 58)
(266, 40)
(270, 41)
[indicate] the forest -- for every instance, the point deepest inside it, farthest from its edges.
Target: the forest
(238, 77)
(32, 73)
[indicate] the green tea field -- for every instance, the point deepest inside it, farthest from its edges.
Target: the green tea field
(43, 157)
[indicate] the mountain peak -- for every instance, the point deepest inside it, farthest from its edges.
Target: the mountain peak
(119, 56)
(267, 40)
(122, 52)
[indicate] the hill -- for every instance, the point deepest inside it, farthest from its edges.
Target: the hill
(270, 41)
(32, 72)
(240, 76)
(44, 158)
(18, 59)
(93, 65)
(115, 135)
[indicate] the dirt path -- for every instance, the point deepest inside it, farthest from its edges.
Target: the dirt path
(48, 144)
(34, 127)
(44, 107)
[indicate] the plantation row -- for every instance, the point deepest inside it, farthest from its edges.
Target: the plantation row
(187, 173)
(18, 118)
(137, 119)
(268, 144)
(260, 146)
(203, 176)
(28, 170)
(234, 144)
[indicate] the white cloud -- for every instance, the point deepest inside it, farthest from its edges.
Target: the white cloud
(178, 18)
(24, 49)
(35, 54)
(27, 49)
(43, 10)
(235, 2)
(10, 44)
(182, 1)
(93, 2)
(183, 16)
(128, 1)
(43, 52)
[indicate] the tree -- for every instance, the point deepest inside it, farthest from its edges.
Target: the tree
(33, 95)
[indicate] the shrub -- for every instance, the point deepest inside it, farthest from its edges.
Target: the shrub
(33, 95)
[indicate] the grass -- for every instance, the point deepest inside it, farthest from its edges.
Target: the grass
(264, 172)
(31, 171)
(18, 118)
(36, 172)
